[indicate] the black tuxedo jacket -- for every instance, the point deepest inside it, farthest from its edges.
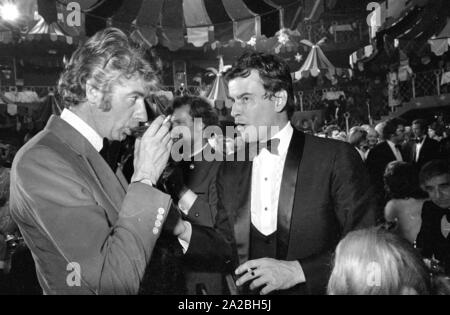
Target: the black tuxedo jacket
(377, 160)
(325, 193)
(429, 151)
(200, 177)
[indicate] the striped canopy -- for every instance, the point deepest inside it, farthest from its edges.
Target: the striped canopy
(316, 62)
(172, 23)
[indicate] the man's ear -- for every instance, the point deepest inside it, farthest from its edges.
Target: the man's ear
(280, 99)
(93, 95)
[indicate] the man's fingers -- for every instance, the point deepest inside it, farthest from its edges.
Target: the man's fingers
(154, 127)
(250, 275)
(169, 145)
(251, 264)
(259, 282)
(267, 289)
(165, 140)
(164, 128)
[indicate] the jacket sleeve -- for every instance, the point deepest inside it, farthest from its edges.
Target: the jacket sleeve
(65, 226)
(204, 209)
(355, 208)
(211, 248)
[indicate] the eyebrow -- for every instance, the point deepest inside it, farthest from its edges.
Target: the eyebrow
(242, 95)
(137, 93)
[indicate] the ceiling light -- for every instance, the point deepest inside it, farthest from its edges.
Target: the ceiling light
(9, 12)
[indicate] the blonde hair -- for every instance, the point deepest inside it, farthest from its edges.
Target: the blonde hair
(377, 262)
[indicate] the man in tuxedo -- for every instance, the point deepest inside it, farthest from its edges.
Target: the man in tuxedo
(281, 212)
(421, 149)
(90, 233)
(385, 152)
(192, 183)
(434, 237)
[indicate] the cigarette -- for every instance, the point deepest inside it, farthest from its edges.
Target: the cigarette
(168, 118)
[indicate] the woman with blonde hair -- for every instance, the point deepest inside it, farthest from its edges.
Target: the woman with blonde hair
(377, 262)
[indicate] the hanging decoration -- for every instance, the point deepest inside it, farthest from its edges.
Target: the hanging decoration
(218, 94)
(315, 62)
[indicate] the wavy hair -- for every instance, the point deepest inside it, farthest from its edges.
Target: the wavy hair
(105, 58)
(274, 73)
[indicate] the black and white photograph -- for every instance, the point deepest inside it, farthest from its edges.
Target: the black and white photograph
(223, 153)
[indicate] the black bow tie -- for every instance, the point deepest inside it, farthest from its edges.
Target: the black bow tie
(106, 154)
(271, 146)
(104, 151)
(418, 140)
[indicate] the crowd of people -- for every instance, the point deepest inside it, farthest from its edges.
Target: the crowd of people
(184, 207)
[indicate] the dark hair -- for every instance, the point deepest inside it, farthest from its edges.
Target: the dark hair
(422, 123)
(391, 126)
(437, 128)
(106, 57)
(433, 169)
(274, 73)
(401, 180)
(198, 108)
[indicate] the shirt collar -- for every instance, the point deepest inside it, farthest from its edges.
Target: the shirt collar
(423, 140)
(285, 136)
(83, 128)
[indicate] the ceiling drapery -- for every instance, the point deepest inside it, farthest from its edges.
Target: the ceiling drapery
(172, 23)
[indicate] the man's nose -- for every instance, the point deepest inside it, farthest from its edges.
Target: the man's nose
(234, 110)
(438, 194)
(141, 113)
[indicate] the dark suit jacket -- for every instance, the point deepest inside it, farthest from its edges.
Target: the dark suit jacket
(200, 176)
(74, 212)
(429, 151)
(167, 273)
(379, 157)
(430, 240)
(325, 194)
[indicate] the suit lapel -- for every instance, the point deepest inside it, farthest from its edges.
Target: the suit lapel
(105, 177)
(100, 172)
(287, 192)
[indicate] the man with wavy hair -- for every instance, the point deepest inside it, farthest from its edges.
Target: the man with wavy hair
(88, 232)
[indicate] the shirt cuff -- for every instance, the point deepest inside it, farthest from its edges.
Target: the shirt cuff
(184, 244)
(2, 265)
(187, 201)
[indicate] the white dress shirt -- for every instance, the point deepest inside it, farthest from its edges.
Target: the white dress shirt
(86, 131)
(267, 174)
(419, 148)
(363, 154)
(397, 153)
(265, 194)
